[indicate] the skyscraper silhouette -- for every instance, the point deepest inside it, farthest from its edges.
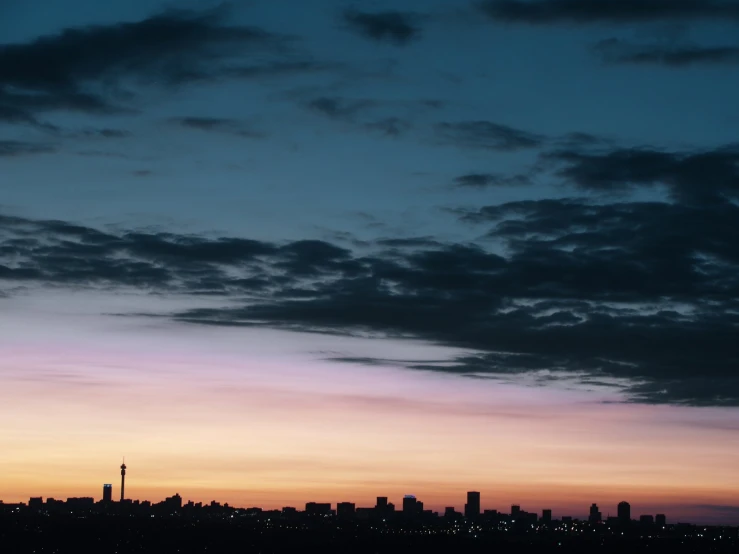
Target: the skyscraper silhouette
(410, 504)
(107, 493)
(123, 479)
(472, 508)
(595, 515)
(624, 512)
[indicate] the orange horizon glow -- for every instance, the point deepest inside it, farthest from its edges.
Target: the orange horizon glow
(234, 417)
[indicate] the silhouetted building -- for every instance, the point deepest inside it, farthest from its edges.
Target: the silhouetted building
(410, 505)
(345, 509)
(318, 508)
(624, 512)
(515, 511)
(107, 493)
(546, 517)
(472, 508)
(365, 513)
(174, 503)
(660, 519)
(381, 505)
(36, 503)
(595, 515)
(450, 512)
(82, 503)
(123, 481)
(646, 520)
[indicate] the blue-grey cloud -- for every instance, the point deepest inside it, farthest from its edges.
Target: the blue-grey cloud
(691, 177)
(219, 124)
(80, 69)
(486, 135)
(11, 148)
(340, 108)
(371, 115)
(396, 27)
(616, 51)
(610, 11)
(490, 180)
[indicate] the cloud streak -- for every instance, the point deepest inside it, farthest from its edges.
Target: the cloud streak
(389, 26)
(487, 135)
(615, 51)
(607, 11)
(490, 180)
(13, 148)
(218, 124)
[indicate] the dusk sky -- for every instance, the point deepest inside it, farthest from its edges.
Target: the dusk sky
(290, 251)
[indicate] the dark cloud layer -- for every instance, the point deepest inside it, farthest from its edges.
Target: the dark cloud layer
(619, 52)
(610, 11)
(162, 46)
(638, 294)
(396, 27)
(84, 69)
(691, 177)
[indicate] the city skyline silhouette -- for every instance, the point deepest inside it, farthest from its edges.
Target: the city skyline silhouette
(408, 505)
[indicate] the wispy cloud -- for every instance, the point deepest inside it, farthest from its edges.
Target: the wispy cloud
(395, 27)
(610, 11)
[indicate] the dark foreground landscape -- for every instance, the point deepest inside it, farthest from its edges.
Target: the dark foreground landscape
(121, 534)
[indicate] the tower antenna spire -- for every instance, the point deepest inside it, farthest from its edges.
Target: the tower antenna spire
(123, 479)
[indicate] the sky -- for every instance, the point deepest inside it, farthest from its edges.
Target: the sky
(279, 252)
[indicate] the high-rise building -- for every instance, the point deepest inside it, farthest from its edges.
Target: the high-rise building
(123, 480)
(660, 519)
(595, 515)
(107, 493)
(174, 502)
(345, 509)
(472, 508)
(546, 516)
(624, 512)
(318, 508)
(381, 505)
(646, 520)
(515, 511)
(409, 504)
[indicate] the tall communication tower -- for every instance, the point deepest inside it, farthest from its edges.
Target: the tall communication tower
(123, 479)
